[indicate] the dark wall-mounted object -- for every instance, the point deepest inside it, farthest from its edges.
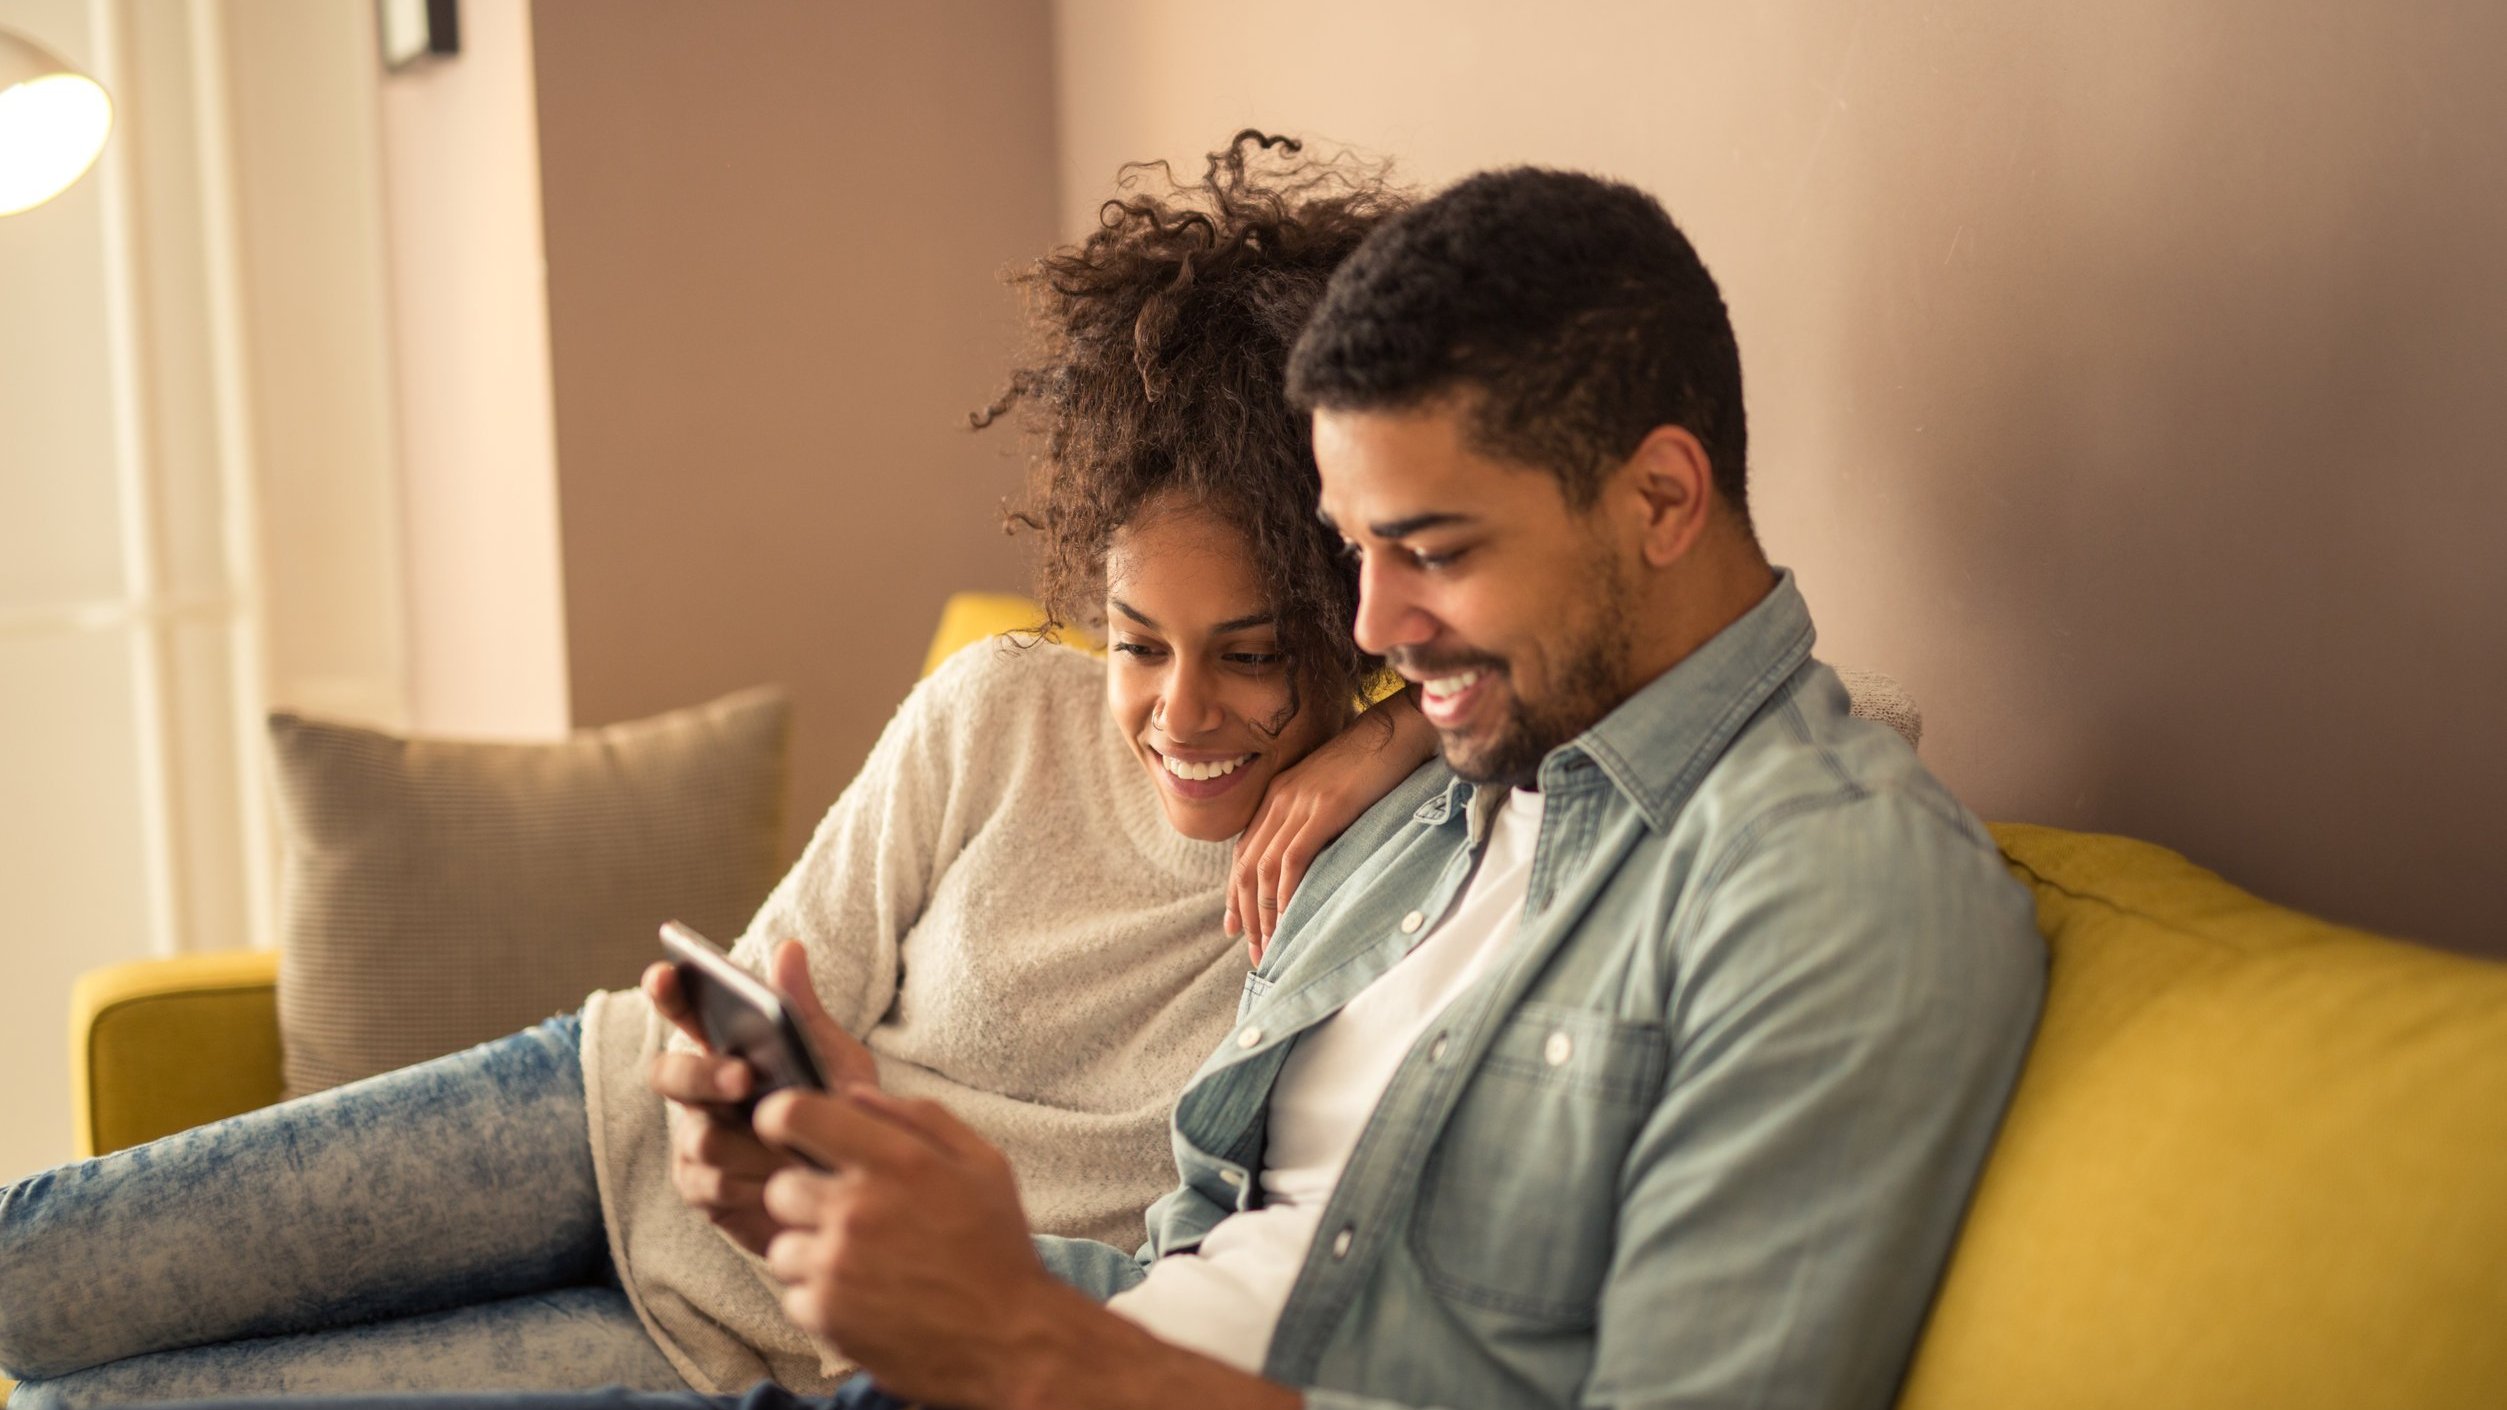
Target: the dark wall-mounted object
(414, 31)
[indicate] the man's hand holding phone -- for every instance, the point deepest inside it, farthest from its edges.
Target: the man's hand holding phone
(717, 1162)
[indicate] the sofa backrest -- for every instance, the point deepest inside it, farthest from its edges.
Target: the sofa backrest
(2255, 1160)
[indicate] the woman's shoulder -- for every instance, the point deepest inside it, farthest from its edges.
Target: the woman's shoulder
(1017, 664)
(1006, 684)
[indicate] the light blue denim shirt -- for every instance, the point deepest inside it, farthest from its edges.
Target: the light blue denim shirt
(1703, 1134)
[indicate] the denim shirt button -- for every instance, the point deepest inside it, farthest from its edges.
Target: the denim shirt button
(1436, 1050)
(1340, 1243)
(1249, 1037)
(1410, 923)
(1233, 1177)
(1558, 1049)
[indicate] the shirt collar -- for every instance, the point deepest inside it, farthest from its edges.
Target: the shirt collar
(1662, 740)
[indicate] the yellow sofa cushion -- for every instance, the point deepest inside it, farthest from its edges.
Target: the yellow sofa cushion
(2255, 1160)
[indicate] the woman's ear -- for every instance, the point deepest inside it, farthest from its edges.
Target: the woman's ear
(1671, 483)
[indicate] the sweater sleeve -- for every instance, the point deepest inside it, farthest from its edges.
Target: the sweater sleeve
(870, 867)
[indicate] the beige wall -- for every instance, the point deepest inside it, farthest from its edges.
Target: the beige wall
(2124, 378)
(478, 523)
(774, 239)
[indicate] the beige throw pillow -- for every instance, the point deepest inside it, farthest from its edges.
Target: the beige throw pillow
(441, 893)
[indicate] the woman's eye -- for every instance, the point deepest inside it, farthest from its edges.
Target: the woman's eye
(1137, 648)
(1446, 559)
(1257, 658)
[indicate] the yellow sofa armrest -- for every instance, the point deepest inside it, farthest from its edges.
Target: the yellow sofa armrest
(160, 1046)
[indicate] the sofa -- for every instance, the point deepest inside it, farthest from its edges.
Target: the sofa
(2254, 1160)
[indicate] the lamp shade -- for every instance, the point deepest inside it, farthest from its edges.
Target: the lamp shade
(53, 121)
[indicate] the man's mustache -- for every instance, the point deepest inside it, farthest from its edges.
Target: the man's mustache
(1419, 665)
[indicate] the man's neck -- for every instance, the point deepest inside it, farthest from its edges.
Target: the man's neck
(1691, 603)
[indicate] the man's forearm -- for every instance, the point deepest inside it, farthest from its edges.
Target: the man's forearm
(1072, 1354)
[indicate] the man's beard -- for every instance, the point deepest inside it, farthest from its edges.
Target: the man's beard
(1590, 683)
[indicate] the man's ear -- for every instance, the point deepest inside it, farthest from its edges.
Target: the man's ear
(1672, 484)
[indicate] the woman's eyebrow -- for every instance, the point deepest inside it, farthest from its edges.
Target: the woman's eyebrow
(1233, 624)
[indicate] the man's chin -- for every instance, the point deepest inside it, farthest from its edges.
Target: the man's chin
(1489, 765)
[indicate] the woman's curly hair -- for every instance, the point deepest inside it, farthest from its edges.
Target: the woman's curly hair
(1158, 369)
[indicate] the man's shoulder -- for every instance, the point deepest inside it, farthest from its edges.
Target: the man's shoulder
(1806, 755)
(1365, 847)
(1827, 831)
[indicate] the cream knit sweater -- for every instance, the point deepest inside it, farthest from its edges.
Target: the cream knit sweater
(998, 907)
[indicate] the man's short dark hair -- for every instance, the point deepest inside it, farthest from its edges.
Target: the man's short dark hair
(1569, 310)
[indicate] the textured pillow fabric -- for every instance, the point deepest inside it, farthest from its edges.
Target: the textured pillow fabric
(2255, 1162)
(442, 893)
(1879, 698)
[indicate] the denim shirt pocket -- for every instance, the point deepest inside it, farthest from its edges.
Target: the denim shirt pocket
(1520, 1199)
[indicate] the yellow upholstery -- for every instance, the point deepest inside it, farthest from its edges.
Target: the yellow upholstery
(2255, 1160)
(972, 616)
(160, 1046)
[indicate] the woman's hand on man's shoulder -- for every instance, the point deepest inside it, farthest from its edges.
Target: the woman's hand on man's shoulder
(1310, 804)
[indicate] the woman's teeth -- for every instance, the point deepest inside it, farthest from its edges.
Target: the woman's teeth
(1197, 772)
(1447, 687)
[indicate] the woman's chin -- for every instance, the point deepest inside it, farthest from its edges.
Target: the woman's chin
(1205, 823)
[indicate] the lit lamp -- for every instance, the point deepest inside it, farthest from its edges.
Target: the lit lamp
(53, 121)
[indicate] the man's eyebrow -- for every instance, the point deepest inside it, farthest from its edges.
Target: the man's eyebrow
(1398, 529)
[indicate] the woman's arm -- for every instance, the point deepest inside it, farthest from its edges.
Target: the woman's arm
(1312, 802)
(831, 937)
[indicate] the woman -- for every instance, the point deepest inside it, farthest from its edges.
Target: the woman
(1018, 906)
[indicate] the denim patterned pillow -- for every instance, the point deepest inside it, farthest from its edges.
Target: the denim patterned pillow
(440, 893)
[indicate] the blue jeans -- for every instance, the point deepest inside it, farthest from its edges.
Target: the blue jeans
(856, 1394)
(435, 1228)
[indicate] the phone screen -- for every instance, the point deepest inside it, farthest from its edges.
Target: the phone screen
(742, 1015)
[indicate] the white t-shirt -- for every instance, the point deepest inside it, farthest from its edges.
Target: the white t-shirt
(1224, 1298)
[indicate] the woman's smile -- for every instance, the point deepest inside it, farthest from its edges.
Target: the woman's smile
(1201, 776)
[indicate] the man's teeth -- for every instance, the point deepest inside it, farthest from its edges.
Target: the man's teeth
(1197, 772)
(1447, 687)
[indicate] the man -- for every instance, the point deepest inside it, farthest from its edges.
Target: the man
(1645, 1059)
(1642, 1054)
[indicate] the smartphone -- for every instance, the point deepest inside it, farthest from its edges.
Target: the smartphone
(741, 1014)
